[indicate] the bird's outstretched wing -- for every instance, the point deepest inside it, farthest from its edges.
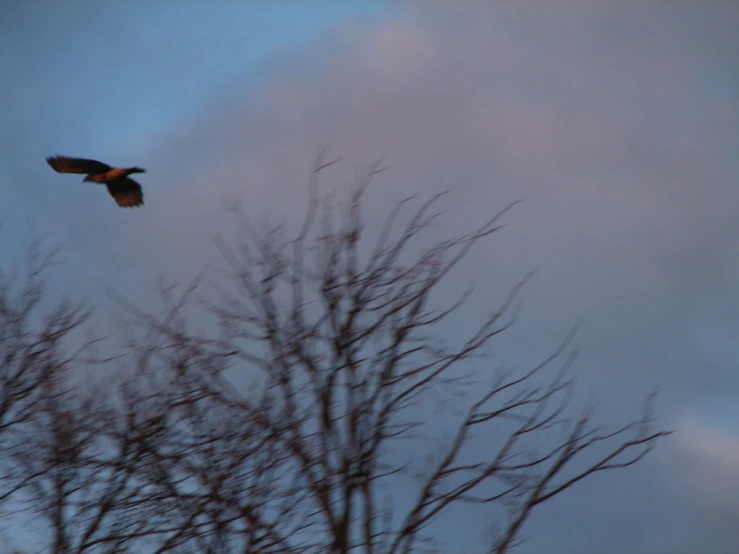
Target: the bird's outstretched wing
(126, 192)
(62, 164)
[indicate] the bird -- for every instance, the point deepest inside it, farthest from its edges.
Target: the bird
(126, 192)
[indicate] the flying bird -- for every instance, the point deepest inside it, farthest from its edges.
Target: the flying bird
(126, 192)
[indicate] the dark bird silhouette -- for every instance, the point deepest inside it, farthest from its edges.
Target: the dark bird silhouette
(126, 192)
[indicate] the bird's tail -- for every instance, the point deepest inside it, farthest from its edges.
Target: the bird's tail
(135, 170)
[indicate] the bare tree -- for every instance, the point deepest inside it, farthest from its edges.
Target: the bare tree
(330, 395)
(83, 466)
(334, 354)
(66, 455)
(213, 473)
(35, 334)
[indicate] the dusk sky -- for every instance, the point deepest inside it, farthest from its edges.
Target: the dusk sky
(616, 122)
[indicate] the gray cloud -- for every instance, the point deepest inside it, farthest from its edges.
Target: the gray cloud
(618, 129)
(616, 124)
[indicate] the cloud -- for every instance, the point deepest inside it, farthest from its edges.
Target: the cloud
(599, 121)
(710, 459)
(617, 126)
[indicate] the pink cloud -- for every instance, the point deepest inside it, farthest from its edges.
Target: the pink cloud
(709, 465)
(596, 117)
(569, 110)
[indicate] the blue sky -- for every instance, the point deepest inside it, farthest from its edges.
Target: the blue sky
(105, 78)
(616, 122)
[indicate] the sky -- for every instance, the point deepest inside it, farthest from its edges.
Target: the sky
(616, 123)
